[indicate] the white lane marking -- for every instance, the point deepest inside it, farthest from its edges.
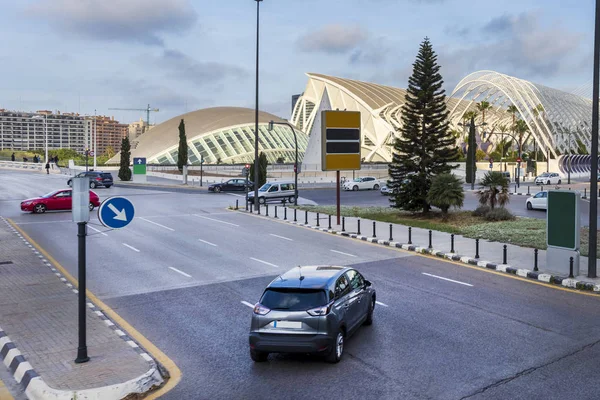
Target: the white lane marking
(181, 272)
(233, 194)
(281, 237)
(99, 231)
(216, 220)
(446, 279)
(264, 262)
(157, 224)
(131, 247)
(209, 243)
(346, 254)
(247, 304)
(381, 304)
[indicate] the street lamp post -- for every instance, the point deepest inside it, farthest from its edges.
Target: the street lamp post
(296, 155)
(256, 203)
(95, 139)
(45, 132)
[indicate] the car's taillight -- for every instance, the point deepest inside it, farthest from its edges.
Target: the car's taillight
(260, 309)
(98, 178)
(320, 311)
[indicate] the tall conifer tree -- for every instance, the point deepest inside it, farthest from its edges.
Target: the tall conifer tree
(124, 171)
(425, 146)
(182, 152)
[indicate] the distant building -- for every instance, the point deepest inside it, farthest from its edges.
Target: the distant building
(136, 129)
(109, 133)
(295, 98)
(21, 130)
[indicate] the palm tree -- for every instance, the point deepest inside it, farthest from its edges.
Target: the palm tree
(482, 106)
(446, 191)
(512, 109)
(521, 128)
(494, 190)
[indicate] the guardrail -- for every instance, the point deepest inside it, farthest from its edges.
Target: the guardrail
(28, 166)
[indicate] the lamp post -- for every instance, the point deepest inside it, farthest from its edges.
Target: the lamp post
(569, 171)
(519, 149)
(472, 125)
(95, 139)
(295, 161)
(256, 203)
(45, 132)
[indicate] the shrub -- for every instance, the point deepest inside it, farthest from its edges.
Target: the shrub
(481, 211)
(499, 214)
(446, 191)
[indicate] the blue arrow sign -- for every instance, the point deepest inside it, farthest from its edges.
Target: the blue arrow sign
(116, 212)
(139, 161)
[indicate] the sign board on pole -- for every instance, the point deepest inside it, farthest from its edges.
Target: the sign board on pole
(116, 212)
(563, 223)
(80, 199)
(340, 141)
(139, 169)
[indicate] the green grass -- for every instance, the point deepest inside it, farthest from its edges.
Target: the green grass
(526, 232)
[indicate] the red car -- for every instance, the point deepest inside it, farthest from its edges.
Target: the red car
(56, 200)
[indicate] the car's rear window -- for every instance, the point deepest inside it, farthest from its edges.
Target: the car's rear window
(293, 299)
(106, 175)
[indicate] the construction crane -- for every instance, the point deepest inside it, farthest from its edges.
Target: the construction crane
(148, 109)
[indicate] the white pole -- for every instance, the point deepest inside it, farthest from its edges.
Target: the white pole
(95, 139)
(46, 134)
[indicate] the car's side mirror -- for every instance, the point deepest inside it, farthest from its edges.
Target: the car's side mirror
(367, 283)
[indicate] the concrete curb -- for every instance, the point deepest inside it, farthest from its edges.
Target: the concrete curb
(34, 385)
(505, 268)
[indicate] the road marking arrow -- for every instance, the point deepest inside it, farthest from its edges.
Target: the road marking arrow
(119, 215)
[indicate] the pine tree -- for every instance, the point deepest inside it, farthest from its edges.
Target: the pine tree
(471, 167)
(425, 146)
(182, 152)
(124, 170)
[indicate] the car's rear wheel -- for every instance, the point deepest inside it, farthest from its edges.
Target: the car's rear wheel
(376, 187)
(217, 189)
(108, 186)
(262, 200)
(559, 181)
(91, 207)
(291, 199)
(369, 320)
(39, 209)
(258, 356)
(335, 355)
(529, 206)
(547, 183)
(92, 185)
(355, 187)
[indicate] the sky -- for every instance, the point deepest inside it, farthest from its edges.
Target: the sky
(88, 56)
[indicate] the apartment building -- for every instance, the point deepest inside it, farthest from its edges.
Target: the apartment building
(136, 129)
(109, 133)
(27, 131)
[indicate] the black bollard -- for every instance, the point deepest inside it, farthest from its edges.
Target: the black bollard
(430, 237)
(358, 232)
(571, 267)
(476, 248)
(275, 211)
(409, 235)
(266, 210)
(528, 186)
(329, 221)
(391, 237)
(542, 188)
(295, 220)
(285, 213)
(318, 219)
(585, 193)
(343, 224)
(504, 254)
(305, 217)
(258, 208)
(236, 204)
(374, 232)
(535, 259)
(452, 243)
(251, 207)
(246, 204)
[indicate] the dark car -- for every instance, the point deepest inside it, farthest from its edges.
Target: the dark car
(97, 178)
(232, 185)
(311, 310)
(54, 201)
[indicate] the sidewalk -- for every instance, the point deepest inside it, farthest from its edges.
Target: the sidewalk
(39, 337)
(519, 259)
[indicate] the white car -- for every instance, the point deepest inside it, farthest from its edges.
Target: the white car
(364, 183)
(548, 178)
(539, 201)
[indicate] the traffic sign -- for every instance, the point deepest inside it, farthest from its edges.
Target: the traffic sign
(139, 165)
(519, 159)
(116, 212)
(340, 140)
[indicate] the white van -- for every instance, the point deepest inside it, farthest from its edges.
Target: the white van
(282, 191)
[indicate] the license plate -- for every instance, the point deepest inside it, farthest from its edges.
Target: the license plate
(287, 324)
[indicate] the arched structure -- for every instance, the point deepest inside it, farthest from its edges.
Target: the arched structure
(220, 134)
(556, 120)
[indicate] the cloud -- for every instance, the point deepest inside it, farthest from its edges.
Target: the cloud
(498, 25)
(182, 67)
(372, 51)
(141, 21)
(333, 39)
(457, 30)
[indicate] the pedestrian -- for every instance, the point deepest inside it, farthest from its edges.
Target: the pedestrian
(48, 167)
(56, 160)
(12, 157)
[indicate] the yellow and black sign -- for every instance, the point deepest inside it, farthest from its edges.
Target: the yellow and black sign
(340, 140)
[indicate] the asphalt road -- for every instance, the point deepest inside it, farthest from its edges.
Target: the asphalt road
(182, 270)
(372, 198)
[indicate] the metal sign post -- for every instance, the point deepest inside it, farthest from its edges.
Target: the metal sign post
(245, 173)
(81, 215)
(341, 145)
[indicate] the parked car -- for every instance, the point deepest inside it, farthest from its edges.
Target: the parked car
(506, 174)
(232, 185)
(364, 183)
(97, 178)
(385, 190)
(281, 191)
(55, 200)
(548, 178)
(538, 201)
(311, 310)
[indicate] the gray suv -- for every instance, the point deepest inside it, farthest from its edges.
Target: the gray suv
(311, 310)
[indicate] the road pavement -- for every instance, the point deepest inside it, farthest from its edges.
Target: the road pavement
(185, 270)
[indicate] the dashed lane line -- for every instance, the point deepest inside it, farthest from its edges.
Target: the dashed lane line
(180, 272)
(216, 220)
(157, 224)
(247, 304)
(97, 230)
(446, 279)
(131, 247)
(346, 254)
(236, 195)
(281, 237)
(208, 243)
(264, 262)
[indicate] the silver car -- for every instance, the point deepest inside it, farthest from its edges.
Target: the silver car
(311, 310)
